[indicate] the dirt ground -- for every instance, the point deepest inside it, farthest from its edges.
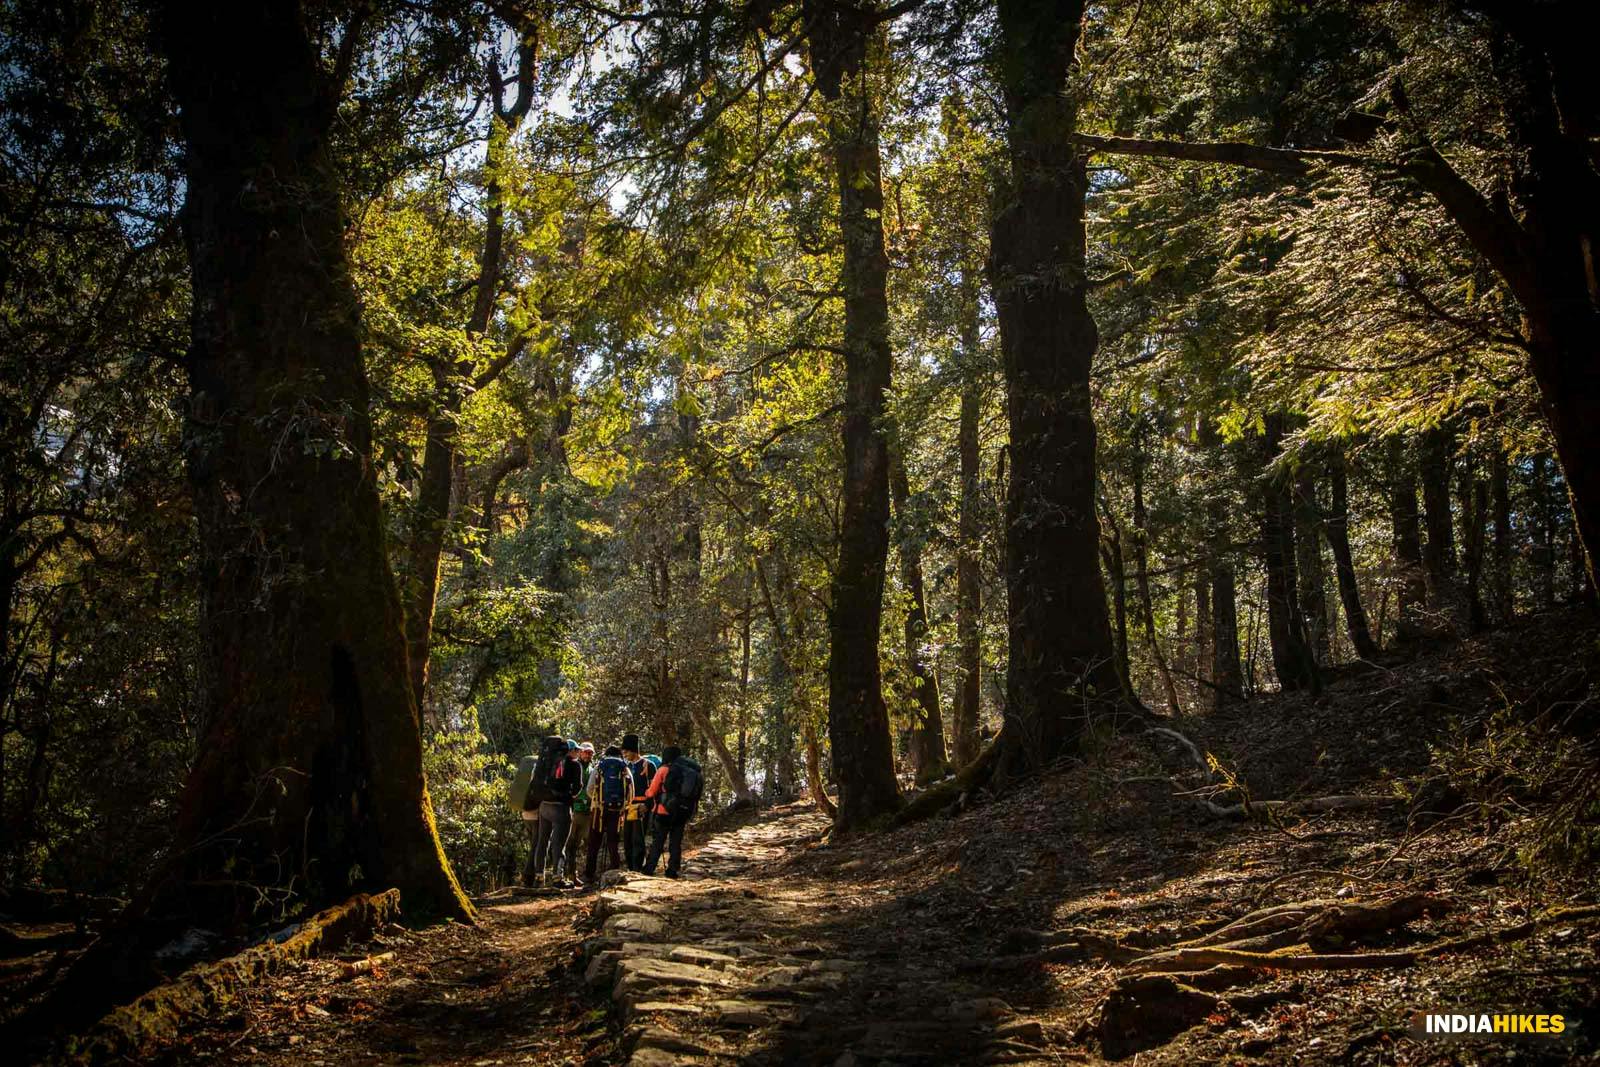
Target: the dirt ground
(1008, 933)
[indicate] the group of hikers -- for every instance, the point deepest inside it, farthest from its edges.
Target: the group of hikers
(628, 798)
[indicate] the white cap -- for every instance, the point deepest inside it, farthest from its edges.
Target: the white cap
(587, 746)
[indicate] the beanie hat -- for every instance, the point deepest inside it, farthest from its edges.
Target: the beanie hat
(630, 742)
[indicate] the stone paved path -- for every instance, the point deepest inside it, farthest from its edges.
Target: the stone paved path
(742, 961)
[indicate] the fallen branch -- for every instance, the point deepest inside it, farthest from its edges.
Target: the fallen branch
(158, 1016)
(366, 966)
(1261, 810)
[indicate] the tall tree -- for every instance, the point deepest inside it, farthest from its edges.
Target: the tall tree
(1406, 539)
(927, 737)
(846, 45)
(1337, 527)
(969, 578)
(310, 775)
(1061, 669)
(1292, 657)
(456, 378)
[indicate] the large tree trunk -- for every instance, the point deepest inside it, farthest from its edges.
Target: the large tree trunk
(1338, 531)
(1227, 672)
(846, 46)
(927, 737)
(309, 779)
(1061, 671)
(1406, 537)
(1292, 658)
(969, 589)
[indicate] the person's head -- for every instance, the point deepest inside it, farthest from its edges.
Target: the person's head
(572, 747)
(670, 753)
(586, 751)
(613, 750)
(630, 746)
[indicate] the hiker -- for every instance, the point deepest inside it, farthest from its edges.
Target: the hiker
(578, 836)
(676, 792)
(611, 795)
(636, 823)
(556, 779)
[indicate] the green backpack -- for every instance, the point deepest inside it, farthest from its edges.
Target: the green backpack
(517, 791)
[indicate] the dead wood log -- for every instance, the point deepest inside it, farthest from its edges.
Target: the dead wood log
(157, 1017)
(366, 966)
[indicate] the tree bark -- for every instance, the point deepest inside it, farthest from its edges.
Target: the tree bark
(927, 747)
(1292, 658)
(1337, 528)
(969, 532)
(846, 44)
(1061, 671)
(309, 779)
(1406, 538)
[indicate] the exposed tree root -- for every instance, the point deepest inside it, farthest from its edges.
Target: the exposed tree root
(970, 778)
(1166, 994)
(157, 1016)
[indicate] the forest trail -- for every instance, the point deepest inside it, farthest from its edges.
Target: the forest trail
(1020, 929)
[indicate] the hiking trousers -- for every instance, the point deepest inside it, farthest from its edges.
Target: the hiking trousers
(577, 838)
(555, 818)
(635, 836)
(668, 836)
(603, 829)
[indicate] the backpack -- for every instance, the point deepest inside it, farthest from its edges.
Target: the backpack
(681, 791)
(546, 773)
(517, 791)
(642, 773)
(613, 782)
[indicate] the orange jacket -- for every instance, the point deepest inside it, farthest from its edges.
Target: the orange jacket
(658, 785)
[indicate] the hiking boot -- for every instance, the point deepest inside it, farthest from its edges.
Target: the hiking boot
(560, 883)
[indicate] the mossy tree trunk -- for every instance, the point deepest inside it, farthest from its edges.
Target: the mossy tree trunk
(1061, 672)
(309, 780)
(846, 46)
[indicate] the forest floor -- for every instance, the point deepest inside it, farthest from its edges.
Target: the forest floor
(1017, 931)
